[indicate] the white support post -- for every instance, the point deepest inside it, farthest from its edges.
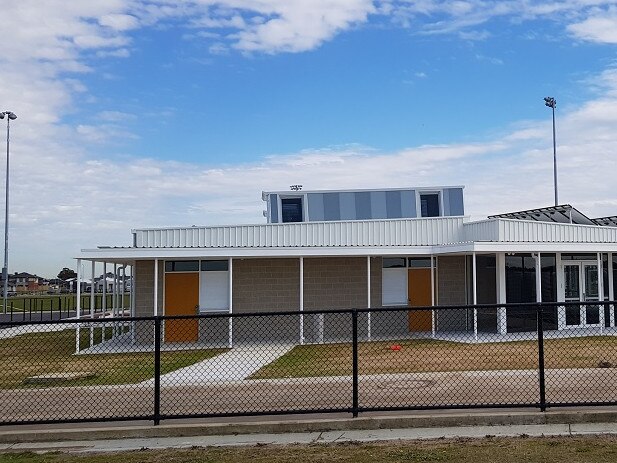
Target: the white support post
(114, 300)
(502, 316)
(611, 289)
(561, 293)
(301, 300)
(78, 306)
(122, 302)
(433, 327)
(601, 291)
(475, 296)
(92, 303)
(538, 278)
(230, 324)
(156, 287)
(132, 291)
(132, 299)
(539, 282)
(368, 297)
(123, 289)
(104, 300)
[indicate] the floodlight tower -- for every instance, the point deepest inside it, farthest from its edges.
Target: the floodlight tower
(10, 116)
(550, 102)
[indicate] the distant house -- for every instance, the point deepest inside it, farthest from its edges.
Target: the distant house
(58, 285)
(27, 283)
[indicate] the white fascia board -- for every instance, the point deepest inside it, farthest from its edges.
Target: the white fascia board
(132, 254)
(544, 247)
(360, 190)
(187, 253)
(527, 247)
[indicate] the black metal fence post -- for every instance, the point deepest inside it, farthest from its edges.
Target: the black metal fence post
(541, 358)
(157, 371)
(354, 356)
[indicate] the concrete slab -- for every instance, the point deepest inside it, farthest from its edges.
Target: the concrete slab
(581, 420)
(14, 331)
(376, 435)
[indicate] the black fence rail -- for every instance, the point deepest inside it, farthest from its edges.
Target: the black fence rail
(57, 307)
(352, 361)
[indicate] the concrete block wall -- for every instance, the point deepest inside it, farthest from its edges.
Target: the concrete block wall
(261, 285)
(451, 290)
(376, 276)
(335, 283)
(144, 298)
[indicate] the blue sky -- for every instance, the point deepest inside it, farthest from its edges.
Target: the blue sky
(157, 112)
(379, 85)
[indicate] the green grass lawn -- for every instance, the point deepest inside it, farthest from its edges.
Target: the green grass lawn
(588, 449)
(425, 355)
(48, 302)
(40, 353)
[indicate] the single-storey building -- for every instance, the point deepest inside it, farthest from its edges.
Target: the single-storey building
(394, 247)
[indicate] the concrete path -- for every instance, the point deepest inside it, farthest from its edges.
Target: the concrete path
(328, 437)
(236, 364)
(8, 333)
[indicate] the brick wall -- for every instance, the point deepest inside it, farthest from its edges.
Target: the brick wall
(451, 280)
(451, 291)
(144, 288)
(266, 285)
(335, 282)
(376, 276)
(144, 298)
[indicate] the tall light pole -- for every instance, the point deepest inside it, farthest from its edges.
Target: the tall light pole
(550, 102)
(5, 269)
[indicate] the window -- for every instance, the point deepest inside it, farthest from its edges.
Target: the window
(181, 266)
(291, 209)
(214, 265)
(394, 262)
(214, 286)
(429, 205)
(420, 262)
(521, 287)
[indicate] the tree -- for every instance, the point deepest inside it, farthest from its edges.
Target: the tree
(66, 273)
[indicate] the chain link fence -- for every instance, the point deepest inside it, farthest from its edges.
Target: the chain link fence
(353, 361)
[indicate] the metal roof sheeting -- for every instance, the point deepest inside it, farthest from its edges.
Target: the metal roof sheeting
(564, 213)
(610, 221)
(387, 232)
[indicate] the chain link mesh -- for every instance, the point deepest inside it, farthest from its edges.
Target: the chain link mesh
(300, 362)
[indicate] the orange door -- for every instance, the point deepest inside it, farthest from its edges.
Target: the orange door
(181, 298)
(419, 295)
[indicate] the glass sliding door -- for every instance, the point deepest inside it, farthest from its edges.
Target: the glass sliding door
(572, 284)
(581, 285)
(591, 293)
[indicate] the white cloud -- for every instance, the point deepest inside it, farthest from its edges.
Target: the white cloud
(117, 53)
(119, 22)
(64, 199)
(596, 29)
(103, 133)
(115, 116)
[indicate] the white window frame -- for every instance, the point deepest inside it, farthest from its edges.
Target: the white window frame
(405, 271)
(199, 272)
(439, 194)
(279, 205)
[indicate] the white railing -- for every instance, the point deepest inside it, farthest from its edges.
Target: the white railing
(510, 230)
(387, 232)
(484, 230)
